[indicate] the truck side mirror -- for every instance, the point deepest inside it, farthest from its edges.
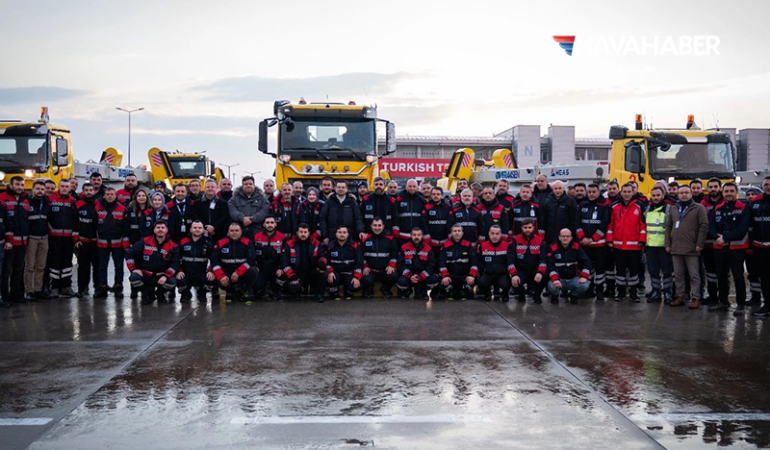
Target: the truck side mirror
(262, 146)
(62, 151)
(634, 158)
(390, 138)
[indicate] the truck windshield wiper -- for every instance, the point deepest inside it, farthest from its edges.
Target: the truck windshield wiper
(12, 160)
(309, 148)
(352, 152)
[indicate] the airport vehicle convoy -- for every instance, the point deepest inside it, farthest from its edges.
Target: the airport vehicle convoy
(315, 140)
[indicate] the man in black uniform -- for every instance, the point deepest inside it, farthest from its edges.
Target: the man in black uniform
(341, 210)
(495, 264)
(378, 204)
(458, 267)
(304, 264)
(232, 262)
(558, 213)
(181, 213)
(195, 252)
(85, 241)
(759, 211)
(525, 207)
(591, 222)
(380, 252)
(283, 208)
(416, 267)
(409, 205)
(212, 211)
(568, 268)
(344, 264)
(528, 253)
(153, 263)
(729, 227)
(435, 215)
(112, 241)
(467, 215)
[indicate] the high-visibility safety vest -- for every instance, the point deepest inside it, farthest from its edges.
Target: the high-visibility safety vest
(656, 231)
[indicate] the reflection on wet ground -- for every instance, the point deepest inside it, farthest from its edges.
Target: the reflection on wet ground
(383, 373)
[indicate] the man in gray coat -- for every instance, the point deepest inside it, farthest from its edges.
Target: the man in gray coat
(248, 207)
(686, 230)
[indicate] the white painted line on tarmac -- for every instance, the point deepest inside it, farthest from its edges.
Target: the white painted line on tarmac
(32, 421)
(700, 417)
(291, 420)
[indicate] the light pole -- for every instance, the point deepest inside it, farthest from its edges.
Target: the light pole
(229, 166)
(129, 111)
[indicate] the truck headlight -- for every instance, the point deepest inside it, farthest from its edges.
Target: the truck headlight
(285, 158)
(371, 159)
(2, 175)
(29, 173)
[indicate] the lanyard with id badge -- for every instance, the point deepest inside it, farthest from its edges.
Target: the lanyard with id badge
(681, 214)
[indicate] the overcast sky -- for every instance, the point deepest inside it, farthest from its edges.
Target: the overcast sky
(207, 72)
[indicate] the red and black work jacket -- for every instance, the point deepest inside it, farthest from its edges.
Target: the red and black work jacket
(154, 258)
(731, 220)
(458, 259)
(380, 251)
(529, 255)
(112, 225)
(568, 263)
(64, 215)
(344, 258)
(495, 260)
(268, 250)
(300, 257)
(416, 260)
(195, 255)
(16, 217)
(87, 218)
(232, 256)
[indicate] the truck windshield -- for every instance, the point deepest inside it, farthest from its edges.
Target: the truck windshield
(23, 152)
(327, 140)
(691, 161)
(187, 168)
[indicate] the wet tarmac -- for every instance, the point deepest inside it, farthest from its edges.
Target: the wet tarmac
(398, 374)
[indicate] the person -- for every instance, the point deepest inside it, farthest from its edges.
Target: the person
(62, 222)
(212, 211)
(673, 190)
(160, 187)
(344, 265)
(248, 207)
(341, 210)
(752, 264)
(74, 183)
(268, 186)
(580, 192)
(729, 227)
(303, 263)
(696, 186)
(504, 197)
(462, 184)
(298, 191)
(529, 253)
(659, 262)
(495, 266)
(393, 189)
(233, 263)
(130, 187)
(686, 231)
(591, 223)
(97, 182)
(153, 263)
(409, 205)
(195, 252)
(627, 234)
(4, 303)
(638, 196)
(267, 250)
(309, 212)
(467, 215)
(50, 188)
(37, 248)
(380, 253)
(613, 196)
(568, 268)
(476, 188)
(112, 241)
(157, 211)
(181, 213)
(425, 188)
(435, 216)
(759, 211)
(708, 258)
(194, 192)
(135, 215)
(361, 190)
(492, 213)
(85, 241)
(524, 207)
(15, 201)
(571, 192)
(225, 189)
(542, 189)
(558, 213)
(458, 267)
(613, 192)
(284, 209)
(327, 188)
(378, 204)
(666, 198)
(415, 267)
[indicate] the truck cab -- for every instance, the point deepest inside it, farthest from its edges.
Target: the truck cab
(317, 140)
(681, 155)
(35, 150)
(177, 167)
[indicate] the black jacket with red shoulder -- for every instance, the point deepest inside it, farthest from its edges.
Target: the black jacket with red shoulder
(344, 258)
(299, 258)
(112, 225)
(379, 251)
(568, 263)
(285, 214)
(267, 249)
(63, 219)
(232, 256)
(493, 213)
(496, 259)
(529, 255)
(458, 259)
(87, 221)
(378, 205)
(435, 218)
(154, 258)
(195, 255)
(416, 260)
(16, 217)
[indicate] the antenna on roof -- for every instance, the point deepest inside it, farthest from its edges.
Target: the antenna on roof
(716, 121)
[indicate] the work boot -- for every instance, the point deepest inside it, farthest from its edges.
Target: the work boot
(655, 297)
(573, 299)
(228, 297)
(4, 304)
(386, 293)
(134, 293)
(504, 297)
(609, 292)
(710, 301)
(621, 295)
(185, 296)
(81, 293)
(369, 293)
(54, 293)
(521, 298)
(45, 294)
(118, 290)
(739, 311)
(635, 296)
(755, 300)
(599, 295)
(679, 301)
(148, 296)
(101, 292)
(67, 292)
(319, 298)
(554, 299)
(404, 293)
(201, 294)
(30, 297)
(21, 299)
(764, 311)
(718, 307)
(694, 304)
(537, 299)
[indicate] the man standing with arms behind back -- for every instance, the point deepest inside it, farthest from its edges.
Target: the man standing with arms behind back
(686, 229)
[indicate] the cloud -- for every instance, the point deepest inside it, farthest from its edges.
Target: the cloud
(336, 87)
(37, 94)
